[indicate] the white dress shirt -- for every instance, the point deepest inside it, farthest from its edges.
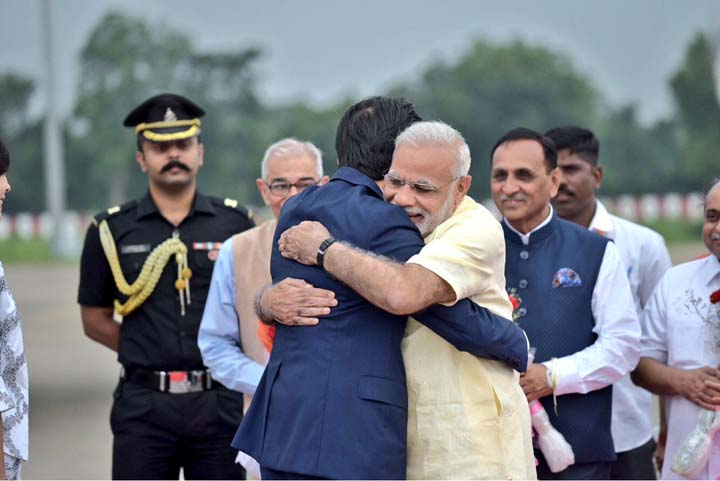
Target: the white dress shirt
(219, 334)
(616, 350)
(646, 258)
(681, 329)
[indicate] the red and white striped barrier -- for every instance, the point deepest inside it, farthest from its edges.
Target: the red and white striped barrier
(644, 208)
(648, 207)
(38, 226)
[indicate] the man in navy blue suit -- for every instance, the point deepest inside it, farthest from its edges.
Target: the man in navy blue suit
(333, 402)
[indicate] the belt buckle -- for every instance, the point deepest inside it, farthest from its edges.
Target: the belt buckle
(182, 382)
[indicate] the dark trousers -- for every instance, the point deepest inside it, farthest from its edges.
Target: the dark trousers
(635, 464)
(575, 471)
(156, 434)
(267, 473)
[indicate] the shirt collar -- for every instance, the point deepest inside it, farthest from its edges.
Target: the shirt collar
(711, 268)
(354, 176)
(201, 203)
(525, 238)
(602, 222)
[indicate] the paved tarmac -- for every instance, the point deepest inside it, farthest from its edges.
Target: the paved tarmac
(71, 378)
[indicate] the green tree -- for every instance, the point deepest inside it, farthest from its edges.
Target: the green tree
(15, 93)
(123, 62)
(224, 84)
(637, 159)
(698, 115)
(23, 137)
(493, 88)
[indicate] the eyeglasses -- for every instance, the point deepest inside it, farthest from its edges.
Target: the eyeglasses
(421, 187)
(283, 188)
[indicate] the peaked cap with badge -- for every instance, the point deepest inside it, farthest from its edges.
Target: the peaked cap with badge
(165, 117)
(162, 118)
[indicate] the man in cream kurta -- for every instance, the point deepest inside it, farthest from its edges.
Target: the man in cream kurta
(467, 417)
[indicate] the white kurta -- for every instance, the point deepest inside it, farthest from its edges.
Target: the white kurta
(681, 328)
(646, 258)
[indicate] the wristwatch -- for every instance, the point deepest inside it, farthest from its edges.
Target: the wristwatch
(323, 249)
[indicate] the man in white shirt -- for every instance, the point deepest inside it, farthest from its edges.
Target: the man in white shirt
(646, 258)
(574, 300)
(681, 343)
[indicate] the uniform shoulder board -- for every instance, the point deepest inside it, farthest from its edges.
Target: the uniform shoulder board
(232, 204)
(108, 213)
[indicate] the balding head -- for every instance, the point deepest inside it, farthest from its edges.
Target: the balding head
(711, 224)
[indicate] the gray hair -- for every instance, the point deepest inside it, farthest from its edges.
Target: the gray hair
(715, 184)
(438, 134)
(291, 147)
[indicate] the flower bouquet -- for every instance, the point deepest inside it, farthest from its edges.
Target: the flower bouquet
(557, 451)
(694, 452)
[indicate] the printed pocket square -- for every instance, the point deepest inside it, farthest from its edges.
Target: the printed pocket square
(566, 277)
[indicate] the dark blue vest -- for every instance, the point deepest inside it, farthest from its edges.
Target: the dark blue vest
(555, 276)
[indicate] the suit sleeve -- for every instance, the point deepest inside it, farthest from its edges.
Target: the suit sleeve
(465, 325)
(474, 329)
(395, 236)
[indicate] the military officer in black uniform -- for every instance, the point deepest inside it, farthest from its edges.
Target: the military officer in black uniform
(149, 262)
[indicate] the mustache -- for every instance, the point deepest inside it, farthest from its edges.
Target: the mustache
(414, 211)
(174, 163)
(411, 210)
(564, 189)
(516, 196)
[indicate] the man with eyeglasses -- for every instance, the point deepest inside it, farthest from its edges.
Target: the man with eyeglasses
(230, 335)
(467, 416)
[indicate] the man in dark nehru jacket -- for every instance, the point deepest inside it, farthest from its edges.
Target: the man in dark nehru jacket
(149, 261)
(575, 304)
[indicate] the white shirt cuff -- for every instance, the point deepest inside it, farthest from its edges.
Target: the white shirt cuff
(568, 378)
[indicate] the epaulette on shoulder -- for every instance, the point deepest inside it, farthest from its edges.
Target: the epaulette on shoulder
(108, 213)
(232, 204)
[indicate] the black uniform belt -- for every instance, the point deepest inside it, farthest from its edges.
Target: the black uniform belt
(175, 382)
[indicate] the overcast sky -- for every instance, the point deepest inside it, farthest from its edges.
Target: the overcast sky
(320, 49)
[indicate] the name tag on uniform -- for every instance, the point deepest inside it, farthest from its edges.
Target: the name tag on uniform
(135, 249)
(212, 248)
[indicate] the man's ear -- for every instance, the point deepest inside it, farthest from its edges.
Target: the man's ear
(554, 182)
(324, 180)
(140, 158)
(264, 191)
(462, 188)
(201, 154)
(597, 174)
(464, 184)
